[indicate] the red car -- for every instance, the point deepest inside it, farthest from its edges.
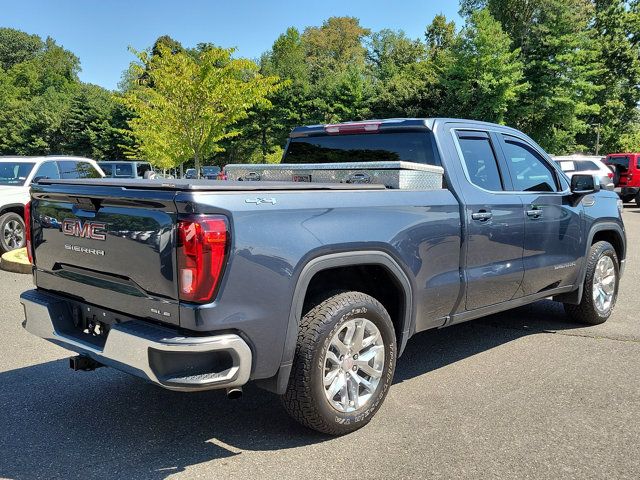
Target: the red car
(626, 177)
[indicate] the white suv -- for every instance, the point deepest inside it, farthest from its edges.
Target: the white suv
(571, 164)
(16, 176)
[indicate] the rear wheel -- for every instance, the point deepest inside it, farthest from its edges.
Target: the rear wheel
(12, 232)
(628, 198)
(600, 286)
(344, 364)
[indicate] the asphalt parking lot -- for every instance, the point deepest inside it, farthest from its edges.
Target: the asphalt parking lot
(522, 394)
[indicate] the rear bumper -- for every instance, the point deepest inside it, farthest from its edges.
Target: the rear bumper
(158, 354)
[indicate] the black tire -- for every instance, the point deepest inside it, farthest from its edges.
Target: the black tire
(586, 311)
(305, 399)
(629, 198)
(14, 240)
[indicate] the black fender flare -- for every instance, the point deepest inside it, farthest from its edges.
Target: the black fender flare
(576, 296)
(324, 262)
(10, 207)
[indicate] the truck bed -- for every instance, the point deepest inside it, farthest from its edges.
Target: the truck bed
(208, 185)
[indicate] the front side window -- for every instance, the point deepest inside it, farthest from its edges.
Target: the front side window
(124, 170)
(480, 160)
(15, 173)
(529, 171)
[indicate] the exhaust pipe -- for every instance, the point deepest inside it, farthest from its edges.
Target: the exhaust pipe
(84, 363)
(234, 393)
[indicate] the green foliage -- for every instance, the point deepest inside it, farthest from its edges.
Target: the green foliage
(557, 69)
(485, 77)
(191, 102)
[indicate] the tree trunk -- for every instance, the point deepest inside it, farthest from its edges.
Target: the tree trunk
(196, 162)
(182, 170)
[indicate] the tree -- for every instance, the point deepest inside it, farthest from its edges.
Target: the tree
(17, 47)
(193, 104)
(617, 39)
(558, 52)
(486, 76)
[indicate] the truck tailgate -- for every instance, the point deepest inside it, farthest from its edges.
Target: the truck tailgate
(109, 245)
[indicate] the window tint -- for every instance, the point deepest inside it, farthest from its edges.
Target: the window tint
(586, 166)
(73, 169)
(622, 162)
(14, 173)
(124, 170)
(529, 171)
(142, 168)
(480, 160)
(369, 147)
(107, 168)
(47, 170)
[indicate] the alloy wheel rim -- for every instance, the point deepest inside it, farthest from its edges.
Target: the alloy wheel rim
(604, 284)
(353, 365)
(13, 234)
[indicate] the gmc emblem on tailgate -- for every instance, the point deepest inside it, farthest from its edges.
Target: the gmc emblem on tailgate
(74, 227)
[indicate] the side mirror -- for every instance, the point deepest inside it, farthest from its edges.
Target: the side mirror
(584, 184)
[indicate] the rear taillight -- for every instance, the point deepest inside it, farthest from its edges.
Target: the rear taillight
(610, 174)
(202, 249)
(27, 230)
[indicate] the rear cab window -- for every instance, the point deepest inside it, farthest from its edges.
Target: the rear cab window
(418, 147)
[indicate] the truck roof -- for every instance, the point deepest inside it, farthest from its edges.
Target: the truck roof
(384, 125)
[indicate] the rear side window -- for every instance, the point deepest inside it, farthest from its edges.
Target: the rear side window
(529, 171)
(586, 166)
(480, 160)
(415, 147)
(70, 169)
(567, 166)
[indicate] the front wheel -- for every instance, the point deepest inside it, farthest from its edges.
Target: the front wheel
(600, 286)
(344, 364)
(12, 232)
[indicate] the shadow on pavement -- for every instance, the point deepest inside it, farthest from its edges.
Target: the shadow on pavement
(59, 423)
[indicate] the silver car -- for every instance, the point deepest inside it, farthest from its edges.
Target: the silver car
(571, 164)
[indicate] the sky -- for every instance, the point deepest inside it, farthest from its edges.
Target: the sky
(99, 32)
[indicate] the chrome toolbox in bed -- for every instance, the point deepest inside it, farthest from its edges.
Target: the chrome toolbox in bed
(401, 175)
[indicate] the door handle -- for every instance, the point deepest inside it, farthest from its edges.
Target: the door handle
(534, 213)
(481, 216)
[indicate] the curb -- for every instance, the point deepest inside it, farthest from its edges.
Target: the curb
(16, 261)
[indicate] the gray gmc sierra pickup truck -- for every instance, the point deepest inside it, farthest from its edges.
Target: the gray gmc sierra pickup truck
(313, 290)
